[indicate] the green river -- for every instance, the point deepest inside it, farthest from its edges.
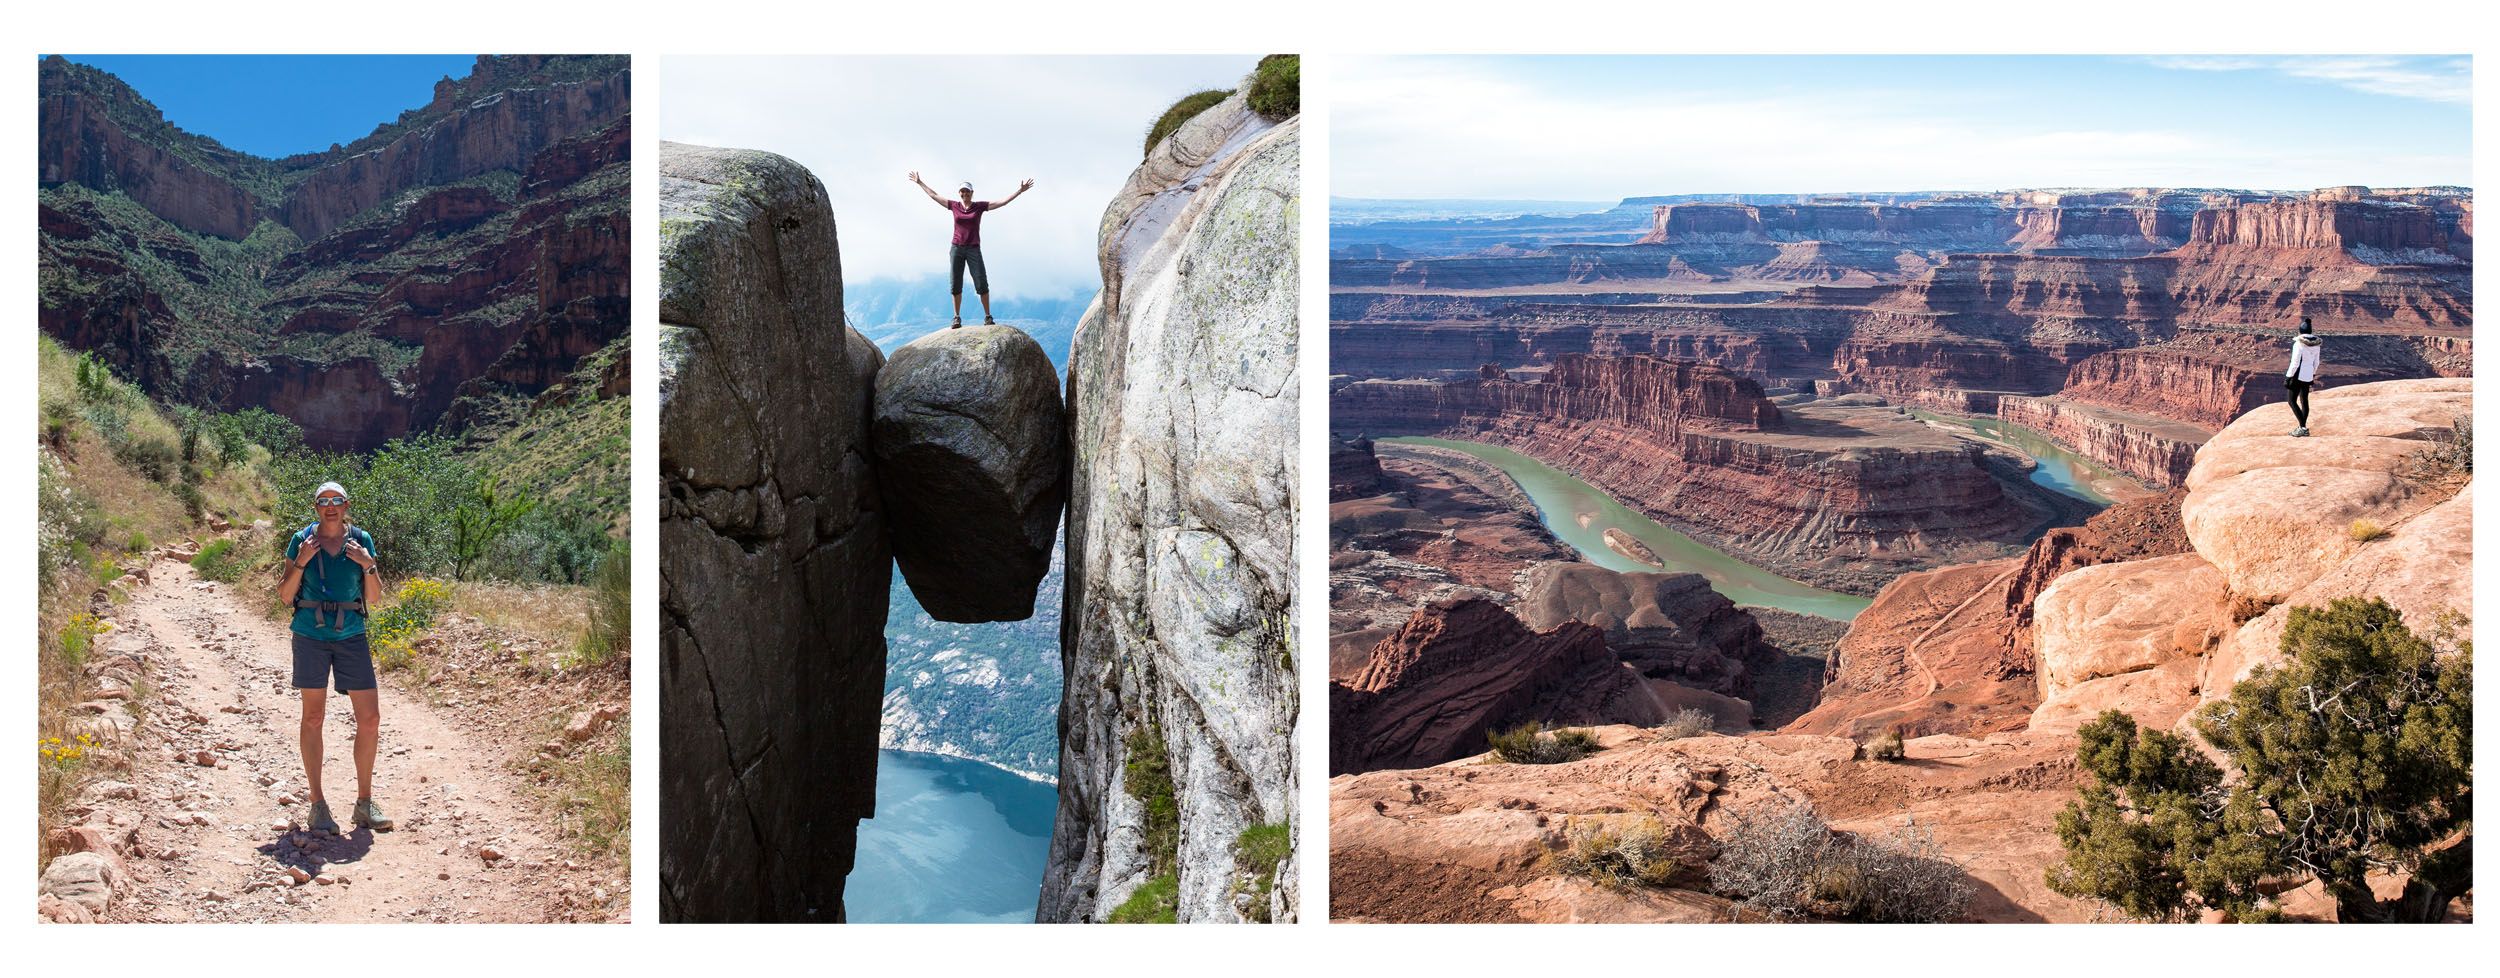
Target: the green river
(1560, 499)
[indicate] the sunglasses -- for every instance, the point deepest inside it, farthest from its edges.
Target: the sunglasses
(330, 501)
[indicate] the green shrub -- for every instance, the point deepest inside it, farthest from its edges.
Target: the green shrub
(403, 494)
(1182, 111)
(1528, 743)
(1620, 857)
(1147, 776)
(1156, 901)
(219, 560)
(155, 459)
(1276, 88)
(138, 542)
(2373, 780)
(1256, 854)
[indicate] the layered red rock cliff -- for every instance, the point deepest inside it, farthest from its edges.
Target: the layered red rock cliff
(451, 310)
(1699, 447)
(1463, 667)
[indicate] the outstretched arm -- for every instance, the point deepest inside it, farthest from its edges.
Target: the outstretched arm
(924, 188)
(1020, 189)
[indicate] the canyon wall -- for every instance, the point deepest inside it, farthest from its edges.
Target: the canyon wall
(2153, 450)
(444, 292)
(1824, 495)
(1179, 622)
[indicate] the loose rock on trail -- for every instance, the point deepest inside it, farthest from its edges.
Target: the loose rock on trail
(207, 823)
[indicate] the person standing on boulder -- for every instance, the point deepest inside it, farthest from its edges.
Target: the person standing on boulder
(967, 246)
(330, 582)
(2302, 373)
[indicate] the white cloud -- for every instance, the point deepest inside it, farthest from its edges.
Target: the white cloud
(1074, 124)
(2449, 80)
(1431, 127)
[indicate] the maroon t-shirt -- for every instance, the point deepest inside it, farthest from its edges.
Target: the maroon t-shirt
(968, 221)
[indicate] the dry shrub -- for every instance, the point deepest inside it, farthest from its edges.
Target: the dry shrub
(1784, 862)
(1689, 722)
(1642, 853)
(1528, 743)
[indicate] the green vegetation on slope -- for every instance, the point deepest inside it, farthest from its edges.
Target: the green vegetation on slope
(1276, 87)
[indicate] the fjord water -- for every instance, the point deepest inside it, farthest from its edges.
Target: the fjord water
(1560, 499)
(2058, 469)
(953, 842)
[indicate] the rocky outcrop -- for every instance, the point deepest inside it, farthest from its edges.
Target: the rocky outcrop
(1353, 469)
(2148, 622)
(1180, 616)
(774, 546)
(1465, 667)
(2157, 451)
(971, 456)
(1668, 626)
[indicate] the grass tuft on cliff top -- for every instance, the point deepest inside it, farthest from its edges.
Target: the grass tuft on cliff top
(1182, 111)
(1276, 87)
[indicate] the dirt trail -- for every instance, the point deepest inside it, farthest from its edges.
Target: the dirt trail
(219, 842)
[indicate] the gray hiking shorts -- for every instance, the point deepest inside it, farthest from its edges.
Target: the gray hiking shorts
(349, 659)
(959, 256)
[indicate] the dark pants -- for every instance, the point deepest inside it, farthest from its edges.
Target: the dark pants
(959, 256)
(2299, 399)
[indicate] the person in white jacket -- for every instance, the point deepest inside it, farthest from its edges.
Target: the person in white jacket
(2302, 373)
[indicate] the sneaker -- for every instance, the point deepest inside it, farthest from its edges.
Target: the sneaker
(320, 821)
(2300, 432)
(369, 815)
(958, 324)
(987, 321)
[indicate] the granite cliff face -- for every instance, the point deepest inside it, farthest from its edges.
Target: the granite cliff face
(439, 275)
(775, 547)
(1180, 617)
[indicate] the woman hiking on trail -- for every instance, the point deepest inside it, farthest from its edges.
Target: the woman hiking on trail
(967, 245)
(330, 582)
(2302, 373)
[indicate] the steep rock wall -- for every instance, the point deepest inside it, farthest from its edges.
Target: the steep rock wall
(2155, 450)
(1464, 667)
(1179, 619)
(774, 552)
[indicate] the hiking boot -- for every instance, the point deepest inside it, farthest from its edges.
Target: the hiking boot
(320, 820)
(369, 815)
(958, 324)
(987, 321)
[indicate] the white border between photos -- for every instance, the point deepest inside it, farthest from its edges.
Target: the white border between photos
(1318, 31)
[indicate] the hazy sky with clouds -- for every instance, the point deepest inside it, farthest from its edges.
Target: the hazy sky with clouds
(1076, 125)
(1604, 127)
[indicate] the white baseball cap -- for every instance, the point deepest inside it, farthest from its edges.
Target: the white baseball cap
(967, 185)
(328, 488)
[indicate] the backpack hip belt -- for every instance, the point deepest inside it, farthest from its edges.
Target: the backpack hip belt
(335, 611)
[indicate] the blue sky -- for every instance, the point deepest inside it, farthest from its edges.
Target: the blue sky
(280, 105)
(1075, 125)
(1602, 127)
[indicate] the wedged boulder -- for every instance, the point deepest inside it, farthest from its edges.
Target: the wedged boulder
(2273, 512)
(972, 457)
(774, 562)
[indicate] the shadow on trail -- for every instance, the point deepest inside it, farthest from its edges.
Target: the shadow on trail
(312, 851)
